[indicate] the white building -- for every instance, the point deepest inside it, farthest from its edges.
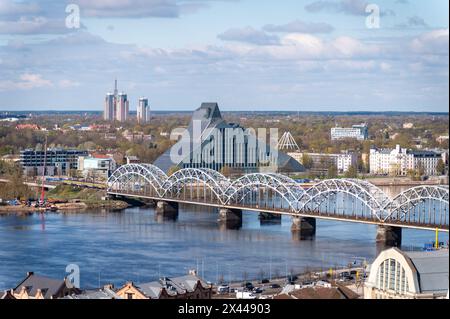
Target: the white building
(359, 132)
(399, 161)
(96, 165)
(342, 161)
(122, 107)
(110, 107)
(143, 111)
(396, 274)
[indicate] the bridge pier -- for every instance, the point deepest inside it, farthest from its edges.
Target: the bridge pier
(303, 227)
(388, 236)
(169, 210)
(230, 218)
(266, 217)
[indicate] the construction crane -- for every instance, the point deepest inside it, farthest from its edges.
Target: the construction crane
(43, 174)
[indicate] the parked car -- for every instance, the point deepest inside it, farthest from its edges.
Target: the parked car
(245, 295)
(223, 289)
(265, 281)
(257, 290)
(248, 285)
(275, 286)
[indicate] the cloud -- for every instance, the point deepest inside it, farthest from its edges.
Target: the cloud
(26, 81)
(11, 9)
(435, 42)
(299, 26)
(249, 35)
(35, 25)
(351, 7)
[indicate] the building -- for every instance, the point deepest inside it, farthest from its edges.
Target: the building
(57, 161)
(336, 291)
(122, 107)
(96, 166)
(186, 287)
(441, 139)
(396, 274)
(408, 125)
(38, 287)
(132, 159)
(136, 137)
(395, 162)
(210, 142)
(322, 161)
(107, 292)
(143, 111)
(33, 127)
(110, 107)
(426, 161)
(399, 161)
(359, 132)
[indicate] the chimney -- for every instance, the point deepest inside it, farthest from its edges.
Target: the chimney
(193, 272)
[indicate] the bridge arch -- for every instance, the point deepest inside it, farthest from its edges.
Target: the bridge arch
(140, 175)
(215, 181)
(284, 186)
(364, 192)
(404, 207)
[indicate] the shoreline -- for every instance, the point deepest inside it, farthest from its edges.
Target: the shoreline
(66, 207)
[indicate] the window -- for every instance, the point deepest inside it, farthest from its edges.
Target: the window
(129, 295)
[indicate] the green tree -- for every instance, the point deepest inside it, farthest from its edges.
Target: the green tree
(440, 167)
(307, 161)
(332, 171)
(352, 172)
(173, 170)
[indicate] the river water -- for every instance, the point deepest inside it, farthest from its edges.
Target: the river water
(135, 245)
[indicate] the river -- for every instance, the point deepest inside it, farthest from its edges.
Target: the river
(134, 245)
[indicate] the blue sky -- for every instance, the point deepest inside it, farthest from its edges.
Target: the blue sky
(245, 54)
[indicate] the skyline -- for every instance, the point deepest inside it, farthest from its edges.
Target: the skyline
(299, 56)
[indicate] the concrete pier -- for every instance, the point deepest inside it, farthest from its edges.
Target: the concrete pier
(303, 227)
(169, 210)
(388, 236)
(269, 217)
(230, 219)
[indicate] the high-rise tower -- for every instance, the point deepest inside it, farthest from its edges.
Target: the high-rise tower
(143, 111)
(122, 107)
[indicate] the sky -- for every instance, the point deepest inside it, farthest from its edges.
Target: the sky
(293, 55)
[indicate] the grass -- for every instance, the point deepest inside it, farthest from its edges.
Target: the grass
(69, 192)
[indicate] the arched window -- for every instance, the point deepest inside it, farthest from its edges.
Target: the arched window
(391, 276)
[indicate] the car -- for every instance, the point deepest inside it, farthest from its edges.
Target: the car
(248, 285)
(275, 286)
(265, 281)
(223, 289)
(353, 272)
(257, 290)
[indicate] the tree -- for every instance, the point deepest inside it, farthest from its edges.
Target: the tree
(332, 171)
(352, 172)
(307, 161)
(440, 167)
(173, 170)
(226, 171)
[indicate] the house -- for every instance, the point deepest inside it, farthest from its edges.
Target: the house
(39, 287)
(107, 292)
(317, 292)
(397, 274)
(185, 287)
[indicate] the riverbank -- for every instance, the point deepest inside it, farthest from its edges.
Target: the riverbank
(71, 198)
(63, 207)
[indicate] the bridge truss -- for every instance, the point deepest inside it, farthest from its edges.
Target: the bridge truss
(352, 199)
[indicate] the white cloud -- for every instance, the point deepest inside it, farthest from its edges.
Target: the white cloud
(26, 81)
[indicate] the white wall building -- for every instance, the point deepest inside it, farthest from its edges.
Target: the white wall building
(143, 111)
(399, 161)
(98, 166)
(342, 161)
(396, 274)
(122, 107)
(359, 132)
